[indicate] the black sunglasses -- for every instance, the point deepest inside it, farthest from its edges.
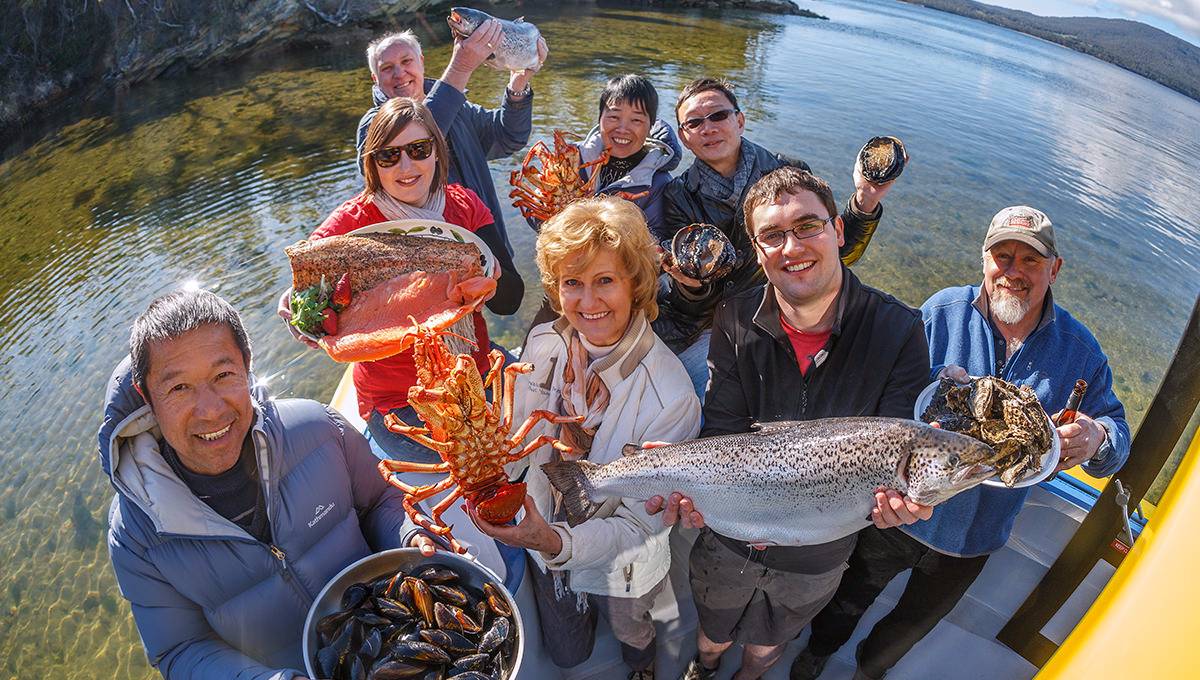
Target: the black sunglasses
(715, 116)
(388, 156)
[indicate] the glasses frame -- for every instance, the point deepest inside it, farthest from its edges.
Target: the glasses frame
(794, 233)
(693, 124)
(403, 149)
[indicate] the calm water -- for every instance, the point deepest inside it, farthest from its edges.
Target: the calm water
(207, 176)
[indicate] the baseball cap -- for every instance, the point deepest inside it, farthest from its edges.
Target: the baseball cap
(1022, 223)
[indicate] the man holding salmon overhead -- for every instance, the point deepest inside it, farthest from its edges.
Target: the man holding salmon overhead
(829, 346)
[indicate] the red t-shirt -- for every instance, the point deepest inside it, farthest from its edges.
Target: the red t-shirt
(383, 385)
(805, 345)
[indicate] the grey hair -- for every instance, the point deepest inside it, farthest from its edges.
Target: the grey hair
(378, 45)
(174, 314)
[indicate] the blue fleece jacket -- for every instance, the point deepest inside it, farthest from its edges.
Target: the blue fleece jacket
(475, 135)
(210, 601)
(1057, 353)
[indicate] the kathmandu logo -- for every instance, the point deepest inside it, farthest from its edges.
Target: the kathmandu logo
(320, 513)
(1021, 221)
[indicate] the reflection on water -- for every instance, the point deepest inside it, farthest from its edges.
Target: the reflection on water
(208, 177)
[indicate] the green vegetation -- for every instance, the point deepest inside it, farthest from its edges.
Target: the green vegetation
(1145, 50)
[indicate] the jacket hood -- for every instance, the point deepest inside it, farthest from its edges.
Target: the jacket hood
(129, 454)
(662, 154)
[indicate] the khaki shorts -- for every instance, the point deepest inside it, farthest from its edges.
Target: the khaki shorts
(742, 601)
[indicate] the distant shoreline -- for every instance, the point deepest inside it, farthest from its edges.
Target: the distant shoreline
(1136, 47)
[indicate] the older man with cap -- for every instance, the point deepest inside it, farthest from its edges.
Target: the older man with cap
(1009, 327)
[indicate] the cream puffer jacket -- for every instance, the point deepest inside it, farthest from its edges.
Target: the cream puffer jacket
(621, 551)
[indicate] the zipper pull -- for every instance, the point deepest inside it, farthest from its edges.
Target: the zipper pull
(628, 578)
(279, 555)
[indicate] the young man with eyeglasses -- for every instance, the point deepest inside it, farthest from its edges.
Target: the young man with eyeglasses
(711, 191)
(814, 342)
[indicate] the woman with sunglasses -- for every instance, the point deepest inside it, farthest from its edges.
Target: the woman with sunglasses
(405, 169)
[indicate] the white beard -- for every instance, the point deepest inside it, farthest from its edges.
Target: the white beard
(1008, 309)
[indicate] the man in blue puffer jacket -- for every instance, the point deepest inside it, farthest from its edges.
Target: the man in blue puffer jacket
(232, 510)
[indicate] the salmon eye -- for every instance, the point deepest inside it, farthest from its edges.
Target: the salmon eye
(953, 459)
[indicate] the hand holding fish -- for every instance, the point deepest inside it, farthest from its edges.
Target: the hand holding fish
(1079, 440)
(519, 80)
(892, 510)
(472, 51)
(532, 532)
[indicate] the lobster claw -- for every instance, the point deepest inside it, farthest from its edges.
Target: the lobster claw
(499, 504)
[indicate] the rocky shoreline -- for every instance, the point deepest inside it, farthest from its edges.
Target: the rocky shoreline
(60, 57)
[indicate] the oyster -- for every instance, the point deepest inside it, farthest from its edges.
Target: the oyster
(701, 252)
(882, 159)
(1007, 417)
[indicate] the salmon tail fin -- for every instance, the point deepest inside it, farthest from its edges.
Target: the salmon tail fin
(570, 478)
(632, 449)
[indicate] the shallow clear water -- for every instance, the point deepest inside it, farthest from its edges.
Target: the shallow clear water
(207, 176)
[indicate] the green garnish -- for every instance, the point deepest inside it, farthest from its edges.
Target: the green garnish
(308, 306)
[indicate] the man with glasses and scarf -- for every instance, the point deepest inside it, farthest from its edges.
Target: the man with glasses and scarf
(814, 342)
(711, 191)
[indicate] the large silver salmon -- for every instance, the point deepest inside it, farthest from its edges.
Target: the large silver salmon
(791, 483)
(518, 45)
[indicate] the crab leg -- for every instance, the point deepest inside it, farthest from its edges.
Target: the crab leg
(421, 493)
(538, 443)
(445, 504)
(419, 435)
(386, 467)
(536, 417)
(510, 386)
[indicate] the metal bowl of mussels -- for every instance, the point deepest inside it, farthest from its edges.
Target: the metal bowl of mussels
(396, 614)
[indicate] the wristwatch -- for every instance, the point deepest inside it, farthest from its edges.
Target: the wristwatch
(522, 94)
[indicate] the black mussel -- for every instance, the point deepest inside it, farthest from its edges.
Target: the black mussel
(450, 594)
(434, 674)
(496, 599)
(702, 252)
(355, 595)
(372, 644)
(422, 598)
(397, 670)
(329, 626)
(451, 641)
(412, 634)
(379, 586)
(449, 617)
(482, 612)
(882, 159)
(370, 618)
(473, 675)
(437, 574)
(348, 637)
(393, 587)
(495, 636)
(352, 669)
(393, 609)
(419, 651)
(474, 662)
(327, 661)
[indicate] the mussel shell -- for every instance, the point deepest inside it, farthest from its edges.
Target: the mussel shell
(393, 609)
(352, 669)
(372, 644)
(449, 617)
(450, 594)
(329, 626)
(434, 674)
(882, 159)
(495, 636)
(473, 675)
(452, 641)
(422, 598)
(419, 651)
(702, 252)
(370, 618)
(355, 595)
(482, 612)
(474, 662)
(435, 574)
(496, 600)
(327, 661)
(397, 670)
